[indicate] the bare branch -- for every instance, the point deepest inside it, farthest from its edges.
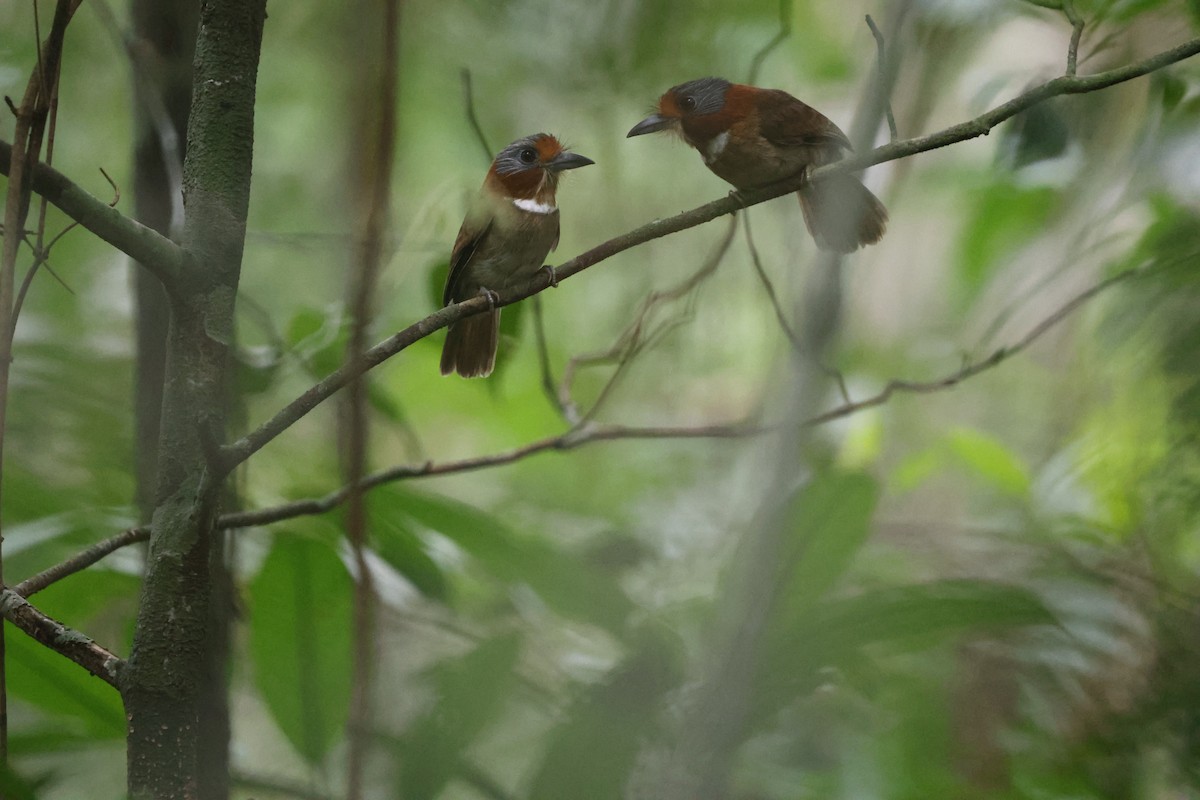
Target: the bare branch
(472, 117)
(881, 61)
(969, 370)
(239, 451)
(156, 252)
(785, 30)
(768, 286)
(1076, 21)
(59, 638)
(80, 561)
(576, 437)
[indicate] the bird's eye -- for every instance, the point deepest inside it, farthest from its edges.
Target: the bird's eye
(688, 103)
(528, 155)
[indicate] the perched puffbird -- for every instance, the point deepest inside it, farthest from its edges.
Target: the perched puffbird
(752, 137)
(502, 243)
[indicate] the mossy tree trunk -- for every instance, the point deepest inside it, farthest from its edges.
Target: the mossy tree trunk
(164, 684)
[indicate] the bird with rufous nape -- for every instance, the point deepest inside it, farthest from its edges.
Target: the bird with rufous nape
(509, 230)
(752, 137)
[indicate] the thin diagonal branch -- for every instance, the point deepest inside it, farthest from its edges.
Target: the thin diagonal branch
(59, 638)
(80, 561)
(576, 437)
(248, 445)
(974, 368)
(155, 252)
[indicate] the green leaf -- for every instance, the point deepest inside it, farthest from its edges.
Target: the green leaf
(834, 633)
(81, 703)
(14, 786)
(592, 753)
(1005, 216)
(983, 455)
(304, 327)
(471, 692)
(831, 519)
(920, 614)
(300, 641)
(988, 458)
(568, 586)
(393, 539)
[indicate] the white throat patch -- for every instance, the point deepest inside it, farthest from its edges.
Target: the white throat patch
(533, 206)
(715, 147)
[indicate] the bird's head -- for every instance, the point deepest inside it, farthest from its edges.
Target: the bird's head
(528, 169)
(696, 109)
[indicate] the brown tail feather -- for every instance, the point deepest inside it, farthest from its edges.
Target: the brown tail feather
(842, 215)
(470, 348)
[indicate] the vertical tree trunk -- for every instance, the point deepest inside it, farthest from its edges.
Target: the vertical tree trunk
(164, 684)
(161, 52)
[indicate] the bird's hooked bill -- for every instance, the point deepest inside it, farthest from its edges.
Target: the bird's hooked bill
(568, 160)
(651, 124)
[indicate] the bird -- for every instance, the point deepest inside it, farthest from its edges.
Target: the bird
(509, 230)
(752, 137)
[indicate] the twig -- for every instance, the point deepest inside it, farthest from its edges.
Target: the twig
(544, 366)
(1076, 21)
(785, 30)
(571, 439)
(80, 561)
(41, 253)
(767, 285)
(472, 118)
(59, 638)
(974, 368)
(633, 339)
(155, 252)
(882, 63)
(791, 335)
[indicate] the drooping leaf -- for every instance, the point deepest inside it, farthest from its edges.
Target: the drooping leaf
(593, 751)
(988, 458)
(393, 538)
(829, 520)
(471, 691)
(79, 702)
(300, 641)
(564, 583)
(834, 632)
(1005, 215)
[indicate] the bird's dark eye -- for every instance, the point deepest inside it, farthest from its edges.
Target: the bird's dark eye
(528, 155)
(688, 103)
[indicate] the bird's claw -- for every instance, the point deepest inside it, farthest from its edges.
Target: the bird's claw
(553, 276)
(493, 299)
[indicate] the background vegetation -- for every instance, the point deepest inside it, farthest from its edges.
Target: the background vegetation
(988, 589)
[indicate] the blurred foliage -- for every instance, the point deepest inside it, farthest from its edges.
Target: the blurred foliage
(987, 592)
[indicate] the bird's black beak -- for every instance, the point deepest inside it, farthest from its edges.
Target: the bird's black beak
(568, 160)
(651, 124)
